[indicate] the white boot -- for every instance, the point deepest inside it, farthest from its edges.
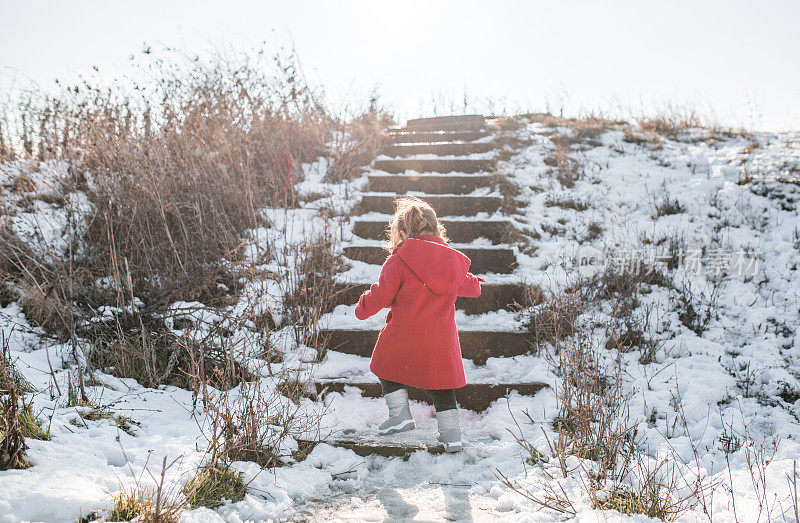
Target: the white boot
(449, 430)
(399, 414)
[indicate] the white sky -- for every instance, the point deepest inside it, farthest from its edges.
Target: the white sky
(737, 61)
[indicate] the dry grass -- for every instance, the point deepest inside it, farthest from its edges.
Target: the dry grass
(176, 168)
(593, 231)
(96, 413)
(657, 491)
(510, 191)
(508, 123)
(17, 418)
(563, 168)
(158, 502)
(671, 123)
(46, 307)
(588, 126)
(356, 143)
(565, 202)
(12, 438)
(639, 137)
(666, 206)
(213, 485)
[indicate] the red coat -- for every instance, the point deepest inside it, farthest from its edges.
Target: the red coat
(419, 345)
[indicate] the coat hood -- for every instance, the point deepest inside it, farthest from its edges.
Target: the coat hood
(440, 268)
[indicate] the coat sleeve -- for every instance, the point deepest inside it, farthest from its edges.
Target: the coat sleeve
(471, 286)
(380, 295)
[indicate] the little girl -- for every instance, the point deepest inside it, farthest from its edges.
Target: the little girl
(419, 345)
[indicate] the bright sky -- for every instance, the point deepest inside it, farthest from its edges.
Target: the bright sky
(736, 61)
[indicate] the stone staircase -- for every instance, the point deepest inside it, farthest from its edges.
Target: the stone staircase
(460, 189)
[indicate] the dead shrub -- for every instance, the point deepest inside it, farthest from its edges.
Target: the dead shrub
(145, 350)
(552, 317)
(632, 333)
(592, 423)
(593, 409)
(626, 340)
(176, 167)
(623, 283)
(251, 423)
(7, 153)
(42, 289)
(586, 126)
(309, 287)
(697, 309)
(355, 144)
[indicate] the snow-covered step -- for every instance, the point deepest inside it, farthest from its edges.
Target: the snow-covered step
(434, 165)
(467, 122)
(439, 149)
(474, 396)
(405, 136)
(500, 260)
(375, 447)
(445, 205)
(494, 296)
(476, 345)
(459, 231)
(431, 184)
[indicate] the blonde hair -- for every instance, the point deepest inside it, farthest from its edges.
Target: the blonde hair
(412, 217)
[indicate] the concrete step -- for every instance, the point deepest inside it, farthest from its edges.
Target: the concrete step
(440, 149)
(467, 122)
(444, 205)
(484, 259)
(406, 136)
(436, 166)
(494, 296)
(377, 448)
(474, 396)
(477, 346)
(459, 231)
(430, 184)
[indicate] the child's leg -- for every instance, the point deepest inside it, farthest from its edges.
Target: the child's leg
(400, 419)
(447, 418)
(443, 400)
(390, 386)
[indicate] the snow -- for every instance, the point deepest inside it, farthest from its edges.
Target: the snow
(752, 340)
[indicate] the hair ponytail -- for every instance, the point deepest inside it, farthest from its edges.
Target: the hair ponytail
(412, 217)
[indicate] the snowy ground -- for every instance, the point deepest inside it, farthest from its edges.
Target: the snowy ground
(735, 379)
